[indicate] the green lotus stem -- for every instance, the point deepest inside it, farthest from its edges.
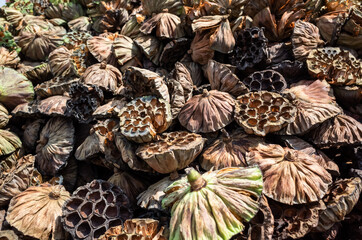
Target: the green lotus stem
(195, 179)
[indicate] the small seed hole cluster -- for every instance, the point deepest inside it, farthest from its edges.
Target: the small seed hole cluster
(268, 80)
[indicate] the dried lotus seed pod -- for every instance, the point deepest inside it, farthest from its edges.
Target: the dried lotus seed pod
(172, 151)
(94, 208)
(145, 82)
(294, 221)
(144, 117)
(250, 49)
(44, 205)
(263, 112)
(267, 80)
(337, 66)
(103, 75)
(228, 151)
(340, 199)
(207, 112)
(8, 235)
(290, 176)
(136, 228)
(85, 99)
(15, 179)
(55, 145)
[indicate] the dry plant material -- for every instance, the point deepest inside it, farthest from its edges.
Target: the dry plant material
(15, 179)
(15, 88)
(130, 185)
(8, 235)
(111, 109)
(8, 58)
(295, 221)
(44, 208)
(9, 142)
(172, 151)
(152, 197)
(55, 86)
(55, 145)
(290, 176)
(4, 116)
(337, 66)
(53, 106)
(144, 117)
(315, 104)
(263, 112)
(136, 228)
(339, 131)
(200, 48)
(350, 97)
(267, 80)
(213, 205)
(228, 150)
(207, 112)
(250, 49)
(94, 208)
(221, 78)
(103, 75)
(340, 199)
(31, 134)
(144, 82)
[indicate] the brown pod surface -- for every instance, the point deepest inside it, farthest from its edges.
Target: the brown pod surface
(172, 151)
(43, 206)
(94, 208)
(207, 112)
(267, 80)
(290, 176)
(144, 117)
(263, 112)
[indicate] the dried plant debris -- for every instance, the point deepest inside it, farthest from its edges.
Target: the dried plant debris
(115, 100)
(94, 208)
(263, 112)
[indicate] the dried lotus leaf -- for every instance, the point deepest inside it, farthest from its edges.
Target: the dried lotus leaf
(263, 112)
(214, 205)
(340, 199)
(207, 112)
(144, 117)
(101, 48)
(349, 97)
(16, 179)
(113, 16)
(136, 228)
(44, 208)
(200, 48)
(28, 109)
(9, 142)
(132, 27)
(290, 176)
(228, 151)
(15, 88)
(80, 24)
(103, 75)
(337, 66)
(90, 147)
(55, 145)
(8, 58)
(94, 208)
(167, 25)
(221, 78)
(314, 105)
(8, 235)
(39, 73)
(177, 98)
(305, 38)
(129, 156)
(172, 151)
(184, 76)
(338, 131)
(152, 197)
(110, 109)
(222, 40)
(156, 6)
(151, 47)
(55, 86)
(145, 82)
(61, 63)
(53, 106)
(125, 50)
(4, 116)
(131, 185)
(31, 134)
(38, 45)
(173, 51)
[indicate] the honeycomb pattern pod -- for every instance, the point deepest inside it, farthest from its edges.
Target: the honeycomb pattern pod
(137, 228)
(267, 80)
(337, 66)
(144, 117)
(250, 50)
(94, 208)
(263, 112)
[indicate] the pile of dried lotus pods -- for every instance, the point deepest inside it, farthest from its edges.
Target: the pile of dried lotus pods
(181, 119)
